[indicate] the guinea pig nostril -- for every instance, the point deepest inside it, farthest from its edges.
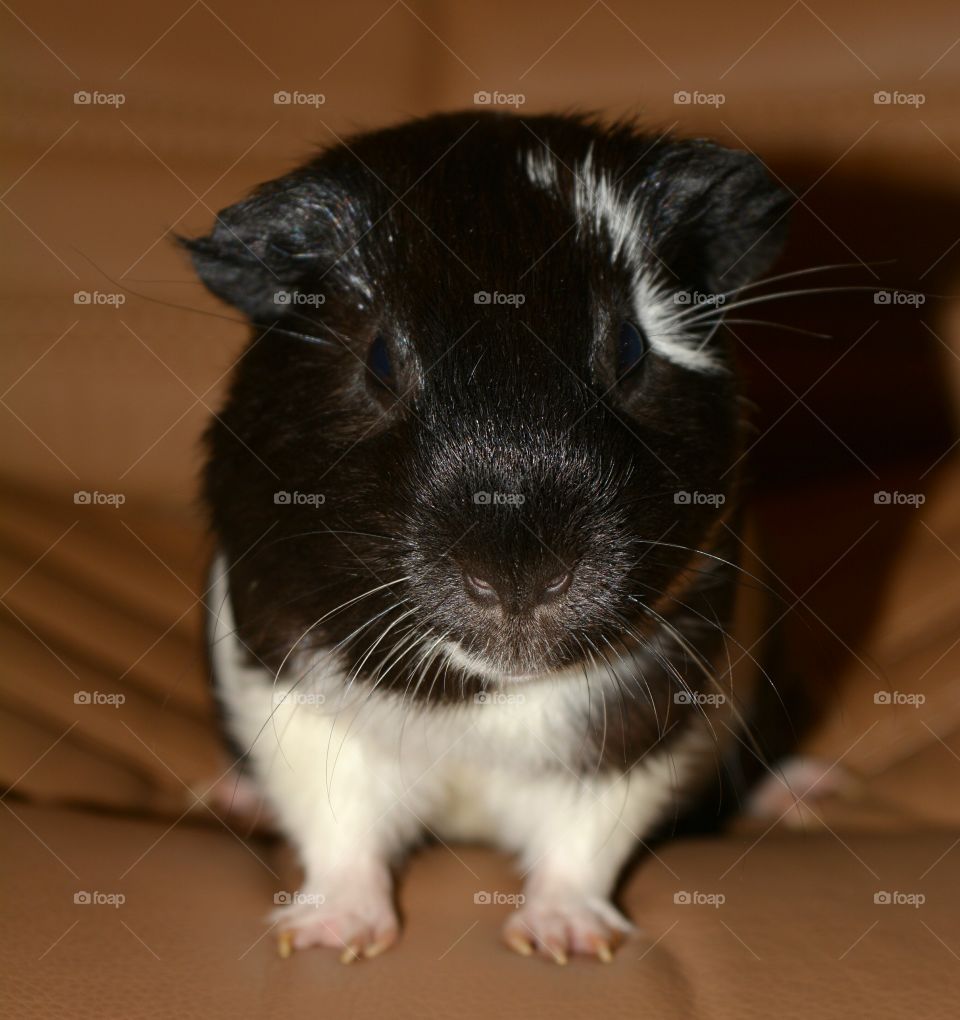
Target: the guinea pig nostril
(480, 588)
(558, 584)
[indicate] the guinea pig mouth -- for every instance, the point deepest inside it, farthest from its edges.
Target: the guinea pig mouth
(478, 666)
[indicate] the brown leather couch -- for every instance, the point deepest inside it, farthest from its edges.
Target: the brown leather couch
(125, 893)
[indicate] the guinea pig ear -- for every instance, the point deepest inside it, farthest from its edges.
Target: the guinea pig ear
(719, 218)
(262, 246)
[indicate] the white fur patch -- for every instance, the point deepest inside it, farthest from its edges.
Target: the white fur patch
(354, 779)
(541, 169)
(606, 207)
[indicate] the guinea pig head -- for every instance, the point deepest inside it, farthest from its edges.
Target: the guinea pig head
(488, 413)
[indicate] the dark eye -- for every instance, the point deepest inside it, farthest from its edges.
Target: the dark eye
(632, 346)
(380, 363)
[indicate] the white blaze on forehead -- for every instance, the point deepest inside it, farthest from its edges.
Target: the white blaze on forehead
(605, 207)
(609, 208)
(541, 169)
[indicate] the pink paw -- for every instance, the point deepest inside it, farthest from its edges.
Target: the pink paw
(358, 927)
(558, 926)
(797, 783)
(235, 798)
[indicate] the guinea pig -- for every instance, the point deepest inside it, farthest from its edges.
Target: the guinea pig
(476, 493)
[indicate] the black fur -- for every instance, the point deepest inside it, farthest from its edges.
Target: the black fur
(395, 234)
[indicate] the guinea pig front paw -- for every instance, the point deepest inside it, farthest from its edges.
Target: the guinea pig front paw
(360, 927)
(560, 925)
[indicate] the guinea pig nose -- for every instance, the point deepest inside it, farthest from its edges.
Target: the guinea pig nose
(480, 589)
(556, 585)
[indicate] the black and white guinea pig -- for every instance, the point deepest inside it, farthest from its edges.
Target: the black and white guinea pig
(475, 491)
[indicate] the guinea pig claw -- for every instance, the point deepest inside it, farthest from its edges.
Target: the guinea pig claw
(285, 945)
(558, 953)
(603, 951)
(519, 944)
(351, 953)
(376, 948)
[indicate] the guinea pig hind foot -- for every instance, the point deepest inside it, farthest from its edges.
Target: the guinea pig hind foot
(795, 783)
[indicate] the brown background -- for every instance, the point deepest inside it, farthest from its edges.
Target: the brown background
(100, 398)
(199, 127)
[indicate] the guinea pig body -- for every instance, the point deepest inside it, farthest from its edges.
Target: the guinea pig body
(475, 489)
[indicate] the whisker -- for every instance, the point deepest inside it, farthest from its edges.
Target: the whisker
(272, 716)
(331, 531)
(727, 636)
(776, 325)
(710, 556)
(806, 272)
(273, 327)
(705, 669)
(328, 655)
(671, 667)
(329, 775)
(776, 296)
(603, 738)
(424, 638)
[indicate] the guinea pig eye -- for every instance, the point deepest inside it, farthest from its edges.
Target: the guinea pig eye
(380, 362)
(632, 346)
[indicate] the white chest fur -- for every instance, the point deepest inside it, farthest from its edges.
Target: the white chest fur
(499, 768)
